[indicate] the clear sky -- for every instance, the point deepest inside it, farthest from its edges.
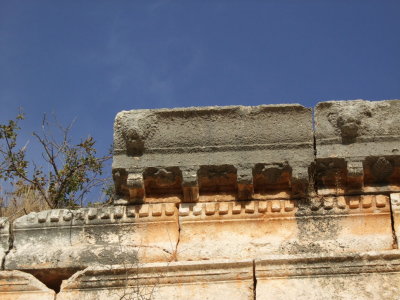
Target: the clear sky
(90, 59)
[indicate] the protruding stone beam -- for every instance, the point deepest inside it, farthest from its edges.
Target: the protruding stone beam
(190, 184)
(17, 285)
(383, 171)
(300, 181)
(135, 185)
(245, 183)
(355, 175)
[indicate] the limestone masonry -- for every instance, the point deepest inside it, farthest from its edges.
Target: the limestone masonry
(230, 203)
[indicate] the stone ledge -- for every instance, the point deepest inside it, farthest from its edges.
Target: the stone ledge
(46, 240)
(175, 280)
(365, 275)
(370, 275)
(277, 266)
(240, 230)
(96, 216)
(327, 205)
(23, 286)
(137, 132)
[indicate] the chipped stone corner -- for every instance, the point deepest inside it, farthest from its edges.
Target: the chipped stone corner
(23, 286)
(5, 240)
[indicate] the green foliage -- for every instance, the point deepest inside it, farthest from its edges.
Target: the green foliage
(66, 172)
(13, 159)
(109, 190)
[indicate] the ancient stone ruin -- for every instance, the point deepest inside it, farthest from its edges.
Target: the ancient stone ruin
(265, 202)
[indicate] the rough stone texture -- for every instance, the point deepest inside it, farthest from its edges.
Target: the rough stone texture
(4, 238)
(220, 187)
(251, 229)
(211, 149)
(346, 128)
(395, 202)
(17, 285)
(358, 146)
(352, 276)
(71, 240)
(183, 280)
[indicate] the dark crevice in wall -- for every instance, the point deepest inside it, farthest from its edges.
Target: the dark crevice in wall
(53, 278)
(313, 131)
(254, 281)
(315, 147)
(313, 167)
(395, 241)
(175, 257)
(313, 118)
(10, 244)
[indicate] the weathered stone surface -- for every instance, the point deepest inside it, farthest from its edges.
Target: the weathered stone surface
(374, 275)
(358, 146)
(17, 285)
(345, 128)
(219, 187)
(72, 240)
(395, 203)
(4, 237)
(255, 228)
(193, 152)
(212, 280)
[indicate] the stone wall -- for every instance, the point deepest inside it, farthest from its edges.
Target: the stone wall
(228, 202)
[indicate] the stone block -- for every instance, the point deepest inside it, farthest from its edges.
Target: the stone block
(17, 285)
(346, 128)
(358, 146)
(64, 241)
(357, 276)
(188, 153)
(212, 280)
(4, 237)
(241, 230)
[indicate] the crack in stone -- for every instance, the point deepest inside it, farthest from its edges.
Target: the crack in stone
(10, 244)
(157, 247)
(254, 281)
(175, 258)
(395, 241)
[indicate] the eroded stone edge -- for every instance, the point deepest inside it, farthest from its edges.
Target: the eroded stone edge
(28, 284)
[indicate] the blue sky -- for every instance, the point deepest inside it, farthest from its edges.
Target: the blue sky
(90, 59)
